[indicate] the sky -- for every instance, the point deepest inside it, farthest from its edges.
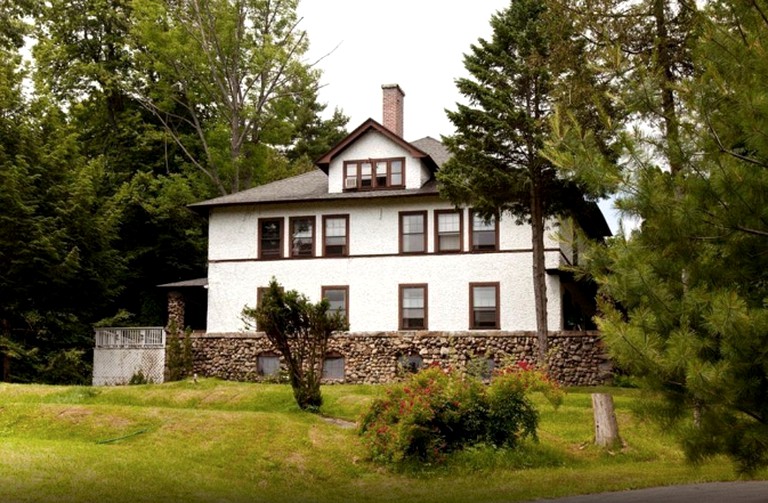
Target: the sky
(418, 44)
(360, 45)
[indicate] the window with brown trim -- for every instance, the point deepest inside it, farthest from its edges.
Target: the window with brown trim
(338, 299)
(374, 174)
(270, 238)
(336, 235)
(484, 234)
(302, 236)
(449, 226)
(413, 232)
(484, 305)
(413, 307)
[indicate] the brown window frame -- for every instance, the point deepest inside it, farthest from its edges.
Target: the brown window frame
(325, 237)
(293, 220)
(472, 235)
(472, 322)
(401, 235)
(401, 318)
(281, 238)
(355, 168)
(460, 213)
(345, 288)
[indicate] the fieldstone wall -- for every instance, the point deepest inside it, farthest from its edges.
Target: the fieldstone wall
(176, 307)
(575, 358)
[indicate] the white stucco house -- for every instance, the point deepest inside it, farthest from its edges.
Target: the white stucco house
(368, 230)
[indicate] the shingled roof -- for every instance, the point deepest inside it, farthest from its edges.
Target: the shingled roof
(313, 186)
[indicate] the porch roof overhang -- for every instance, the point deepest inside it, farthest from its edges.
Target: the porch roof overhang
(198, 282)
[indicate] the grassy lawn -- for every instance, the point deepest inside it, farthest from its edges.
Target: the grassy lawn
(223, 441)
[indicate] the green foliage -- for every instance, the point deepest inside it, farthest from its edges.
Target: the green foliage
(435, 412)
(229, 85)
(497, 167)
(299, 330)
(138, 378)
(683, 296)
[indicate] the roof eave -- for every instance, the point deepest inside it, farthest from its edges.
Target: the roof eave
(324, 161)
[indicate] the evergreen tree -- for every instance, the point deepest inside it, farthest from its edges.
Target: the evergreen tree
(299, 330)
(683, 305)
(516, 78)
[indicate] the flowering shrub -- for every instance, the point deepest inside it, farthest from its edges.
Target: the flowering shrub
(437, 411)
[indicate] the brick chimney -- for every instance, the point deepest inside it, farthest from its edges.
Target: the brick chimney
(393, 108)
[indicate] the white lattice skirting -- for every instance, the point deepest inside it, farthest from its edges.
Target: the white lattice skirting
(117, 365)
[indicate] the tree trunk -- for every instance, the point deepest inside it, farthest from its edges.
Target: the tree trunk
(539, 274)
(606, 428)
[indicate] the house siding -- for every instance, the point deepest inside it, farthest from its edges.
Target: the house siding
(374, 145)
(374, 268)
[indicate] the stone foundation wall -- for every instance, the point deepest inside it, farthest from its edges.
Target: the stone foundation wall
(575, 358)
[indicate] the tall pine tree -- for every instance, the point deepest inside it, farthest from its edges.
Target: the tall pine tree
(684, 295)
(497, 168)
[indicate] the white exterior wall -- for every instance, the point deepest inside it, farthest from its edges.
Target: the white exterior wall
(374, 269)
(374, 145)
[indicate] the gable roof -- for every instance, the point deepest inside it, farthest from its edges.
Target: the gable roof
(371, 125)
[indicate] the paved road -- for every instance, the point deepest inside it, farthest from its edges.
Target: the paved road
(715, 492)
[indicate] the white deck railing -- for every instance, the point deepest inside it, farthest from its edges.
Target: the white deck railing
(130, 337)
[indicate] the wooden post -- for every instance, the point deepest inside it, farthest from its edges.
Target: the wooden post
(606, 429)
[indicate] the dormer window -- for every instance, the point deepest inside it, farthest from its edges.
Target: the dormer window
(374, 174)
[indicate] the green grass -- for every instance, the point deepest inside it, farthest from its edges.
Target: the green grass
(230, 442)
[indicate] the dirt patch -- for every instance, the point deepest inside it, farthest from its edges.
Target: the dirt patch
(341, 423)
(75, 414)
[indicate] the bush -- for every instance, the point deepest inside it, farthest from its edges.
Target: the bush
(435, 412)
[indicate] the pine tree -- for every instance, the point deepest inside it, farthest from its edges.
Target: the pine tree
(497, 167)
(684, 294)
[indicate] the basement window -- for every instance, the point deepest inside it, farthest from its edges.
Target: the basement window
(268, 364)
(333, 367)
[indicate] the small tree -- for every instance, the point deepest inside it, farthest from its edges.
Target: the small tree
(300, 331)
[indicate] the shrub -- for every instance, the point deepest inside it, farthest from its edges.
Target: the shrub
(435, 412)
(299, 330)
(138, 377)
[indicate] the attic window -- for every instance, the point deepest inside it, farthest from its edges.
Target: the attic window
(374, 174)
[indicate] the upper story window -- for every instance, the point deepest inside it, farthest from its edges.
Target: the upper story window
(302, 236)
(373, 174)
(484, 234)
(413, 307)
(413, 232)
(448, 231)
(336, 235)
(270, 238)
(484, 305)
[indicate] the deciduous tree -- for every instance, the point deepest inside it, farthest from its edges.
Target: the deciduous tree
(227, 80)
